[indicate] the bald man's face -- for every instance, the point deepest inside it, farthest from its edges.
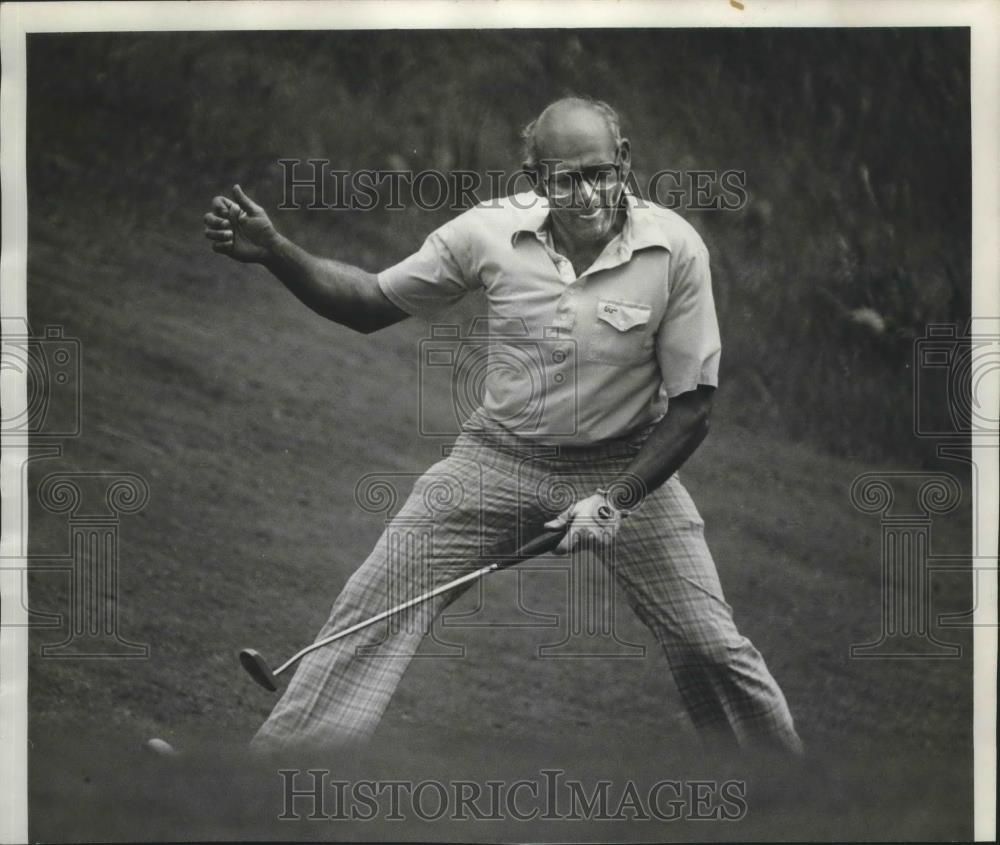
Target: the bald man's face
(582, 170)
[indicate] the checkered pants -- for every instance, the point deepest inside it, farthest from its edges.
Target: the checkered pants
(492, 492)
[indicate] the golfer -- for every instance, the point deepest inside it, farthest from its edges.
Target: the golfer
(616, 295)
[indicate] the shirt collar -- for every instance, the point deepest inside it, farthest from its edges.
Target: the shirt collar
(641, 229)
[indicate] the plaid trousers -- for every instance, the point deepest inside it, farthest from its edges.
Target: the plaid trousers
(492, 492)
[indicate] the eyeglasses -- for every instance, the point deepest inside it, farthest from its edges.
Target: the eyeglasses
(601, 178)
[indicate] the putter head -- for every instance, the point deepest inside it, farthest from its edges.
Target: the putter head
(257, 668)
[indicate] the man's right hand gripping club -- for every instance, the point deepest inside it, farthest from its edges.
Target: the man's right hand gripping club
(340, 292)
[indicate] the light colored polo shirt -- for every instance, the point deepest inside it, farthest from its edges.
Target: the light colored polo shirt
(571, 360)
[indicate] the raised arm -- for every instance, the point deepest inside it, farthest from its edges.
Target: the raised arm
(340, 292)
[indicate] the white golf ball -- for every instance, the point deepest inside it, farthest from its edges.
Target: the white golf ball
(161, 747)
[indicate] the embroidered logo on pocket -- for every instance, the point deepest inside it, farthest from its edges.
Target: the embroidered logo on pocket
(620, 333)
(622, 315)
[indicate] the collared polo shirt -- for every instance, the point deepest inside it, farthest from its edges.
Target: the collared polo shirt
(570, 359)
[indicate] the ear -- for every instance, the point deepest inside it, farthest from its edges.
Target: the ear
(625, 152)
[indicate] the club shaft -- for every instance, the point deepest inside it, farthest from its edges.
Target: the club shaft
(385, 614)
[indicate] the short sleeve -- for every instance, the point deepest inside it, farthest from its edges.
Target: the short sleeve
(434, 277)
(688, 346)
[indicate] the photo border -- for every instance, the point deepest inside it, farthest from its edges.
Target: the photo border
(17, 20)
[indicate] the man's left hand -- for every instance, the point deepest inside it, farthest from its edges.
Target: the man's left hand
(592, 522)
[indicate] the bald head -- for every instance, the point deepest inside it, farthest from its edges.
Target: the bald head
(569, 128)
(578, 159)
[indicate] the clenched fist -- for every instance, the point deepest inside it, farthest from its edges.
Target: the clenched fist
(240, 229)
(592, 522)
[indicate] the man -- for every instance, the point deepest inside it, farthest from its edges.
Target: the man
(616, 292)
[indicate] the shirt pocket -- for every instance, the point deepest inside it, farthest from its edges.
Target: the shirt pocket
(619, 333)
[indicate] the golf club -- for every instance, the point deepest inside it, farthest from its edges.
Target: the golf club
(256, 667)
